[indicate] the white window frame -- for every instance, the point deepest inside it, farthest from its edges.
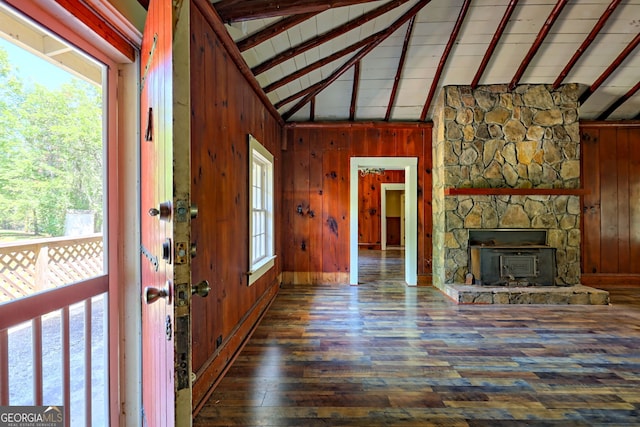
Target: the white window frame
(259, 156)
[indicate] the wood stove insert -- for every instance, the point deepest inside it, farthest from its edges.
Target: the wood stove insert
(511, 257)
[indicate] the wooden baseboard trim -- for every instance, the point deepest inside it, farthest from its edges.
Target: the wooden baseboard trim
(611, 280)
(213, 371)
(313, 278)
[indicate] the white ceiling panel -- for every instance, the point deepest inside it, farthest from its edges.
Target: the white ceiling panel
(431, 32)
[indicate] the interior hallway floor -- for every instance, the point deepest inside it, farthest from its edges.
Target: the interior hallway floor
(383, 354)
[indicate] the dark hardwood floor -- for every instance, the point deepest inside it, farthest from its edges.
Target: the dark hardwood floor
(383, 354)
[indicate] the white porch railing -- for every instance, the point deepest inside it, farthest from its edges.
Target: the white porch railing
(31, 266)
(53, 342)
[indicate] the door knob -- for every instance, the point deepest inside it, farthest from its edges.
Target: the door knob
(152, 294)
(202, 289)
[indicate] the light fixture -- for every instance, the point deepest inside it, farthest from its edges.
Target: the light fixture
(370, 171)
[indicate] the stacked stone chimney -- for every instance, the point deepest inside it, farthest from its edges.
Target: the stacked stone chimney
(491, 137)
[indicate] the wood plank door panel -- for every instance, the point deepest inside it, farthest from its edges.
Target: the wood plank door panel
(165, 219)
(611, 212)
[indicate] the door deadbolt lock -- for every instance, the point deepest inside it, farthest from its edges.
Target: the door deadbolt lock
(201, 289)
(163, 211)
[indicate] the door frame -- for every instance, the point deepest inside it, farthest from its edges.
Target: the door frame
(410, 166)
(121, 129)
(383, 211)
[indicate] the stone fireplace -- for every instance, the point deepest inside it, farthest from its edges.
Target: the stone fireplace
(506, 159)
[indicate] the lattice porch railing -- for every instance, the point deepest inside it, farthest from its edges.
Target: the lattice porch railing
(35, 265)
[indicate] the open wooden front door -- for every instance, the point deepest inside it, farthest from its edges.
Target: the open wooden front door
(166, 214)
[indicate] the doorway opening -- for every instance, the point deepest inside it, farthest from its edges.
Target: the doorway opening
(410, 166)
(392, 213)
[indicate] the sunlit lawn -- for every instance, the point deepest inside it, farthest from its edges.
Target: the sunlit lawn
(14, 235)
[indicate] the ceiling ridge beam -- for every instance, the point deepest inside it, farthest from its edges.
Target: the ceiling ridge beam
(354, 92)
(273, 30)
(403, 57)
(494, 42)
(444, 58)
(243, 10)
(318, 87)
(586, 43)
(544, 31)
(610, 69)
(618, 102)
(329, 35)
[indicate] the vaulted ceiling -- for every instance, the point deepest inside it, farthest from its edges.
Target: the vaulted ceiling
(387, 60)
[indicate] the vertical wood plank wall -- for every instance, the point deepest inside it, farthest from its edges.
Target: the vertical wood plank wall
(370, 206)
(611, 207)
(315, 193)
(225, 109)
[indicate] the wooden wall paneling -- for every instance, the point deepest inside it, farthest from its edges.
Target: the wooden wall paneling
(608, 201)
(331, 222)
(622, 168)
(409, 142)
(204, 194)
(364, 209)
(287, 213)
(225, 109)
(358, 142)
(634, 197)
(590, 145)
(373, 136)
(316, 205)
(339, 143)
(333, 138)
(393, 230)
(386, 147)
(301, 208)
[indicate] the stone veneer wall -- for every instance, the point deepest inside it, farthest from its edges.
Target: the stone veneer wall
(490, 137)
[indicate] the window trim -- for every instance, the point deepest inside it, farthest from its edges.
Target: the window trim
(258, 152)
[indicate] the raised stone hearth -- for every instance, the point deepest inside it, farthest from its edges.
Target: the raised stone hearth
(560, 295)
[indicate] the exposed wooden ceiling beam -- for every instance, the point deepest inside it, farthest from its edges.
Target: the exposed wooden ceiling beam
(613, 107)
(403, 57)
(444, 57)
(553, 16)
(319, 63)
(323, 38)
(610, 69)
(354, 92)
(245, 10)
(494, 42)
(273, 30)
(586, 43)
(318, 87)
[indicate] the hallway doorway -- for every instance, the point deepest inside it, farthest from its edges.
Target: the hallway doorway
(410, 166)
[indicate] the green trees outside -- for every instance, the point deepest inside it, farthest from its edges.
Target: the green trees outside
(51, 153)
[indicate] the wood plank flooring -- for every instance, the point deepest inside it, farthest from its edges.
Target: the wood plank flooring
(383, 354)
